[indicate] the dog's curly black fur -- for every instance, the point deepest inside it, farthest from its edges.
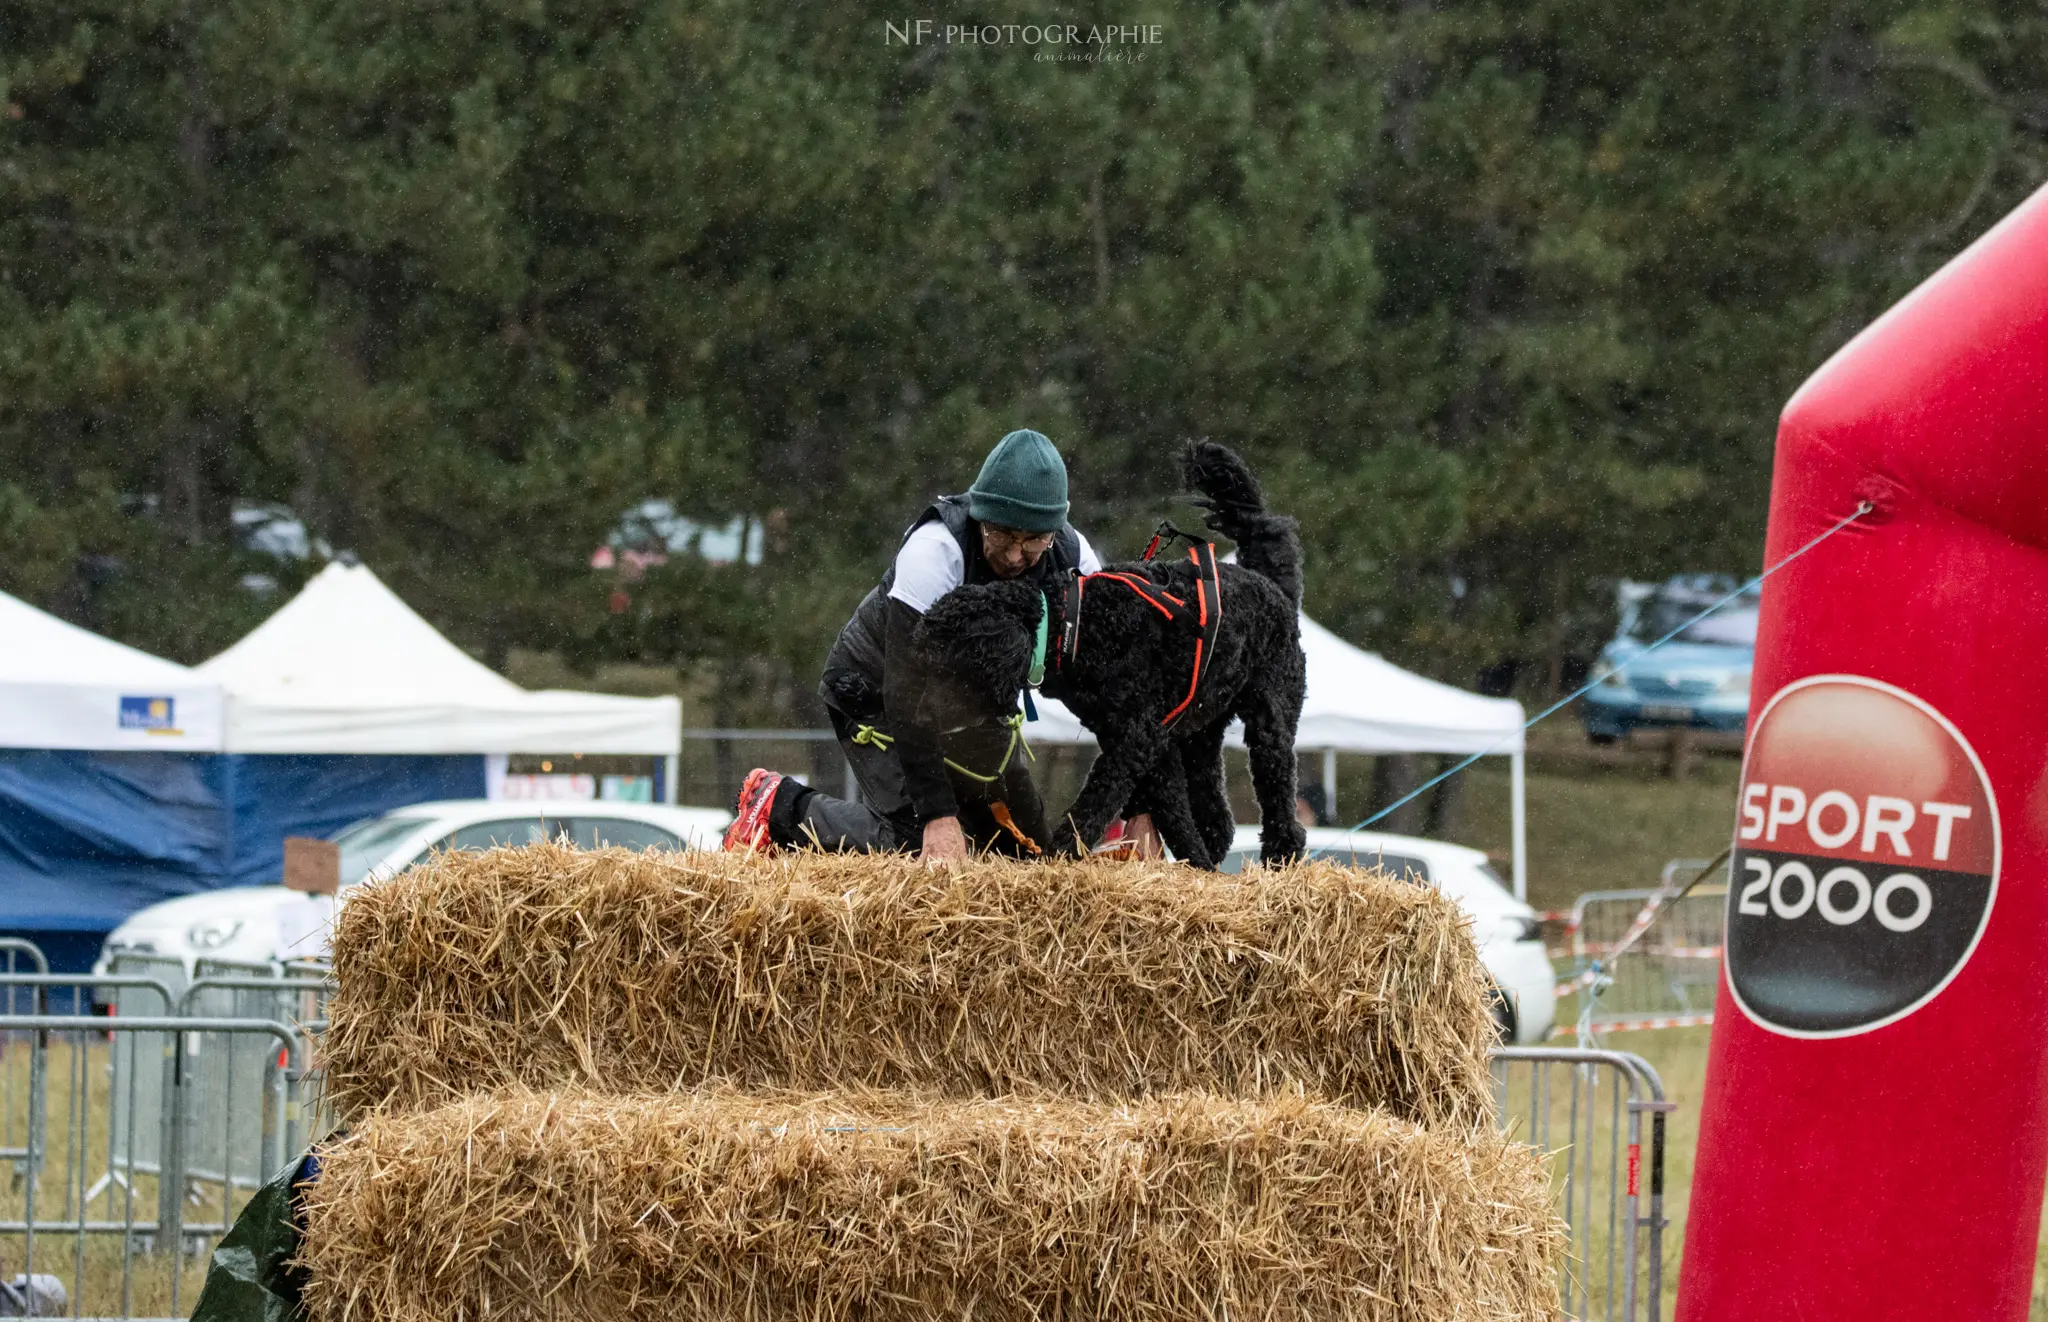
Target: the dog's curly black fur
(1132, 668)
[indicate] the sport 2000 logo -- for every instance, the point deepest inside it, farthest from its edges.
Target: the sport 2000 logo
(1865, 862)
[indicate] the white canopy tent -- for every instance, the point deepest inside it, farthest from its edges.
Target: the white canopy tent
(347, 667)
(64, 687)
(1358, 702)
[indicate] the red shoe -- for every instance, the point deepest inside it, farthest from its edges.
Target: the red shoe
(749, 829)
(1117, 842)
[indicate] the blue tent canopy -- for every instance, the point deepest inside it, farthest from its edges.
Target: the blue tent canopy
(126, 779)
(88, 837)
(274, 795)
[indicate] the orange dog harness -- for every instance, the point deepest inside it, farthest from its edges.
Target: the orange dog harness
(1205, 616)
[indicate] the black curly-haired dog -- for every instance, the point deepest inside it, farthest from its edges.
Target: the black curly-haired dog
(1131, 670)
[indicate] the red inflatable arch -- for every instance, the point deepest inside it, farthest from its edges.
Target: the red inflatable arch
(1875, 1125)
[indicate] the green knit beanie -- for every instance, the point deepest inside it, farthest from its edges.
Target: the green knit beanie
(1023, 485)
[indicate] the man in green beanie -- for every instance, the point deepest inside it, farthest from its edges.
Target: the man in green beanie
(1012, 523)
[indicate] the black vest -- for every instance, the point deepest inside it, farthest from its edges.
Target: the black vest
(853, 670)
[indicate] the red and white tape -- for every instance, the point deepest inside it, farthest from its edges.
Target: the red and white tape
(1670, 952)
(1646, 916)
(1638, 1025)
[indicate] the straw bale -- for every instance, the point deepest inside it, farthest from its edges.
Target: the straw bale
(886, 1208)
(625, 972)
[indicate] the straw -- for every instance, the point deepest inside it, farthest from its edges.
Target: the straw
(634, 973)
(719, 1207)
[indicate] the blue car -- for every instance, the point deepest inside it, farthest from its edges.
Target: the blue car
(1698, 680)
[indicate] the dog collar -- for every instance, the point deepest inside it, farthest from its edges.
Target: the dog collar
(1037, 672)
(1070, 619)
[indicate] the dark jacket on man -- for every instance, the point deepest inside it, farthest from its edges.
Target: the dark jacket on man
(871, 675)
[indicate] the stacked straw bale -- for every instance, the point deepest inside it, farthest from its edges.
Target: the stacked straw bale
(889, 1208)
(642, 973)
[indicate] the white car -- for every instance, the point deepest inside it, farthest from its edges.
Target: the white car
(1503, 927)
(270, 924)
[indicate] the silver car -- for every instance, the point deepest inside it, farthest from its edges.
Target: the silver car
(266, 925)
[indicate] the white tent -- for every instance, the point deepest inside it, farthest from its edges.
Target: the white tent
(1358, 702)
(346, 667)
(63, 687)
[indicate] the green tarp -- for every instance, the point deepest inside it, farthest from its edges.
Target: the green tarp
(251, 1278)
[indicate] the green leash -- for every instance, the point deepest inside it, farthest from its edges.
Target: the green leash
(873, 738)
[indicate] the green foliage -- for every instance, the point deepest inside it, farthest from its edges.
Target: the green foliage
(1501, 298)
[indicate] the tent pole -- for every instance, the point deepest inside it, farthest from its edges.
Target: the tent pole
(671, 765)
(1330, 783)
(1518, 800)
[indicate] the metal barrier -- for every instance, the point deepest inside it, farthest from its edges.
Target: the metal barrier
(713, 762)
(135, 1132)
(228, 1080)
(229, 1085)
(167, 969)
(1588, 1110)
(133, 1246)
(16, 1151)
(13, 950)
(29, 993)
(1668, 974)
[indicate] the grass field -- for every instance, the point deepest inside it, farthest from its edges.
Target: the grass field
(120, 1275)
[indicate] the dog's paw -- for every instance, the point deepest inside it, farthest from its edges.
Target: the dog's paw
(1281, 842)
(1065, 843)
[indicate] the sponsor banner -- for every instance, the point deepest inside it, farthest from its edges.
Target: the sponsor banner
(153, 714)
(1866, 859)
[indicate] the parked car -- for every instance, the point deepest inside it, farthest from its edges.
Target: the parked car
(274, 532)
(1698, 680)
(269, 924)
(1503, 927)
(652, 531)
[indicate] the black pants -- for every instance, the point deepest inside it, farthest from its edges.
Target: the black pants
(882, 818)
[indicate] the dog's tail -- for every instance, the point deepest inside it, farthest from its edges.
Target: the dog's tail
(1267, 543)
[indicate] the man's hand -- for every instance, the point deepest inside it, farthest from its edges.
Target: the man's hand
(1144, 837)
(944, 843)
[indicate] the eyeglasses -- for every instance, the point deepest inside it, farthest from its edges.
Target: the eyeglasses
(1014, 539)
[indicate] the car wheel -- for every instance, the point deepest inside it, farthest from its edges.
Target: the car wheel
(1502, 1007)
(1599, 740)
